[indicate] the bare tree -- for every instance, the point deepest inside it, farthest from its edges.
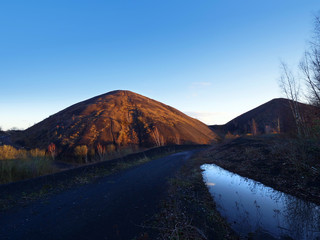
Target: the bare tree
(156, 136)
(309, 73)
(289, 84)
(101, 151)
(52, 150)
(316, 31)
(278, 125)
(254, 128)
(158, 139)
(177, 139)
(310, 66)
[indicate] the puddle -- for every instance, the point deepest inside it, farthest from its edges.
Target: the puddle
(258, 211)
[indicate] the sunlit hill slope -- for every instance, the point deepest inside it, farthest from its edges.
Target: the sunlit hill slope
(118, 118)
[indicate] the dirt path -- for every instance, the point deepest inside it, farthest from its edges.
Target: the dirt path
(111, 208)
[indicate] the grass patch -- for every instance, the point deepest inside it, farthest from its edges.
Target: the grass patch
(19, 164)
(19, 169)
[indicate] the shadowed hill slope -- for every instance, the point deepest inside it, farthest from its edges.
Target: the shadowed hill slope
(118, 118)
(273, 116)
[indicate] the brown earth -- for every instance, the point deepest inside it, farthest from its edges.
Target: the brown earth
(116, 119)
(273, 116)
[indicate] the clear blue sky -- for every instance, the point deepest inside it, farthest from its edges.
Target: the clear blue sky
(210, 59)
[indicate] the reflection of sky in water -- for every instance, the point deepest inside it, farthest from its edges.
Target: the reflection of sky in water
(253, 207)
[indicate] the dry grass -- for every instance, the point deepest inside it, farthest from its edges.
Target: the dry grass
(20, 164)
(8, 152)
(189, 211)
(20, 169)
(288, 165)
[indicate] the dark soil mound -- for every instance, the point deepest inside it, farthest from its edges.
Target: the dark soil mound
(273, 116)
(116, 119)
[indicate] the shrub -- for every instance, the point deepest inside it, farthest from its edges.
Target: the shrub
(37, 152)
(9, 152)
(230, 136)
(52, 150)
(101, 151)
(82, 153)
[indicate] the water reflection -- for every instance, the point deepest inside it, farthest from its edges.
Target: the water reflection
(257, 210)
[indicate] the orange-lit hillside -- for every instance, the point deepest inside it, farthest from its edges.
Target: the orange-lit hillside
(118, 118)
